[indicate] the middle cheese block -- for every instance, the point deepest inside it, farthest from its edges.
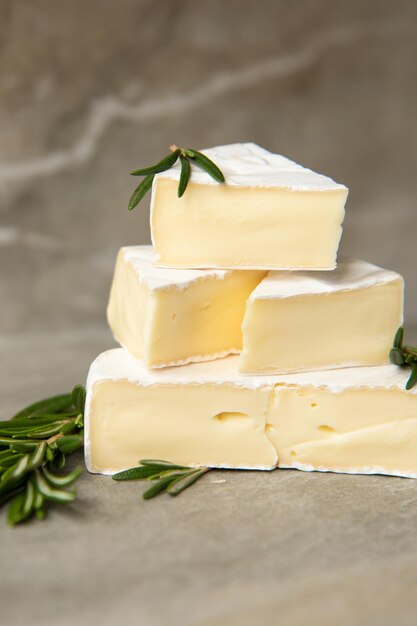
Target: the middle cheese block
(270, 213)
(357, 420)
(170, 317)
(297, 321)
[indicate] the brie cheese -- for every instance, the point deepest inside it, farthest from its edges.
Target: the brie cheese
(170, 317)
(355, 420)
(320, 320)
(271, 213)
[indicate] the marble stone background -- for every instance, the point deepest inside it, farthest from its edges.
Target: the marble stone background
(90, 90)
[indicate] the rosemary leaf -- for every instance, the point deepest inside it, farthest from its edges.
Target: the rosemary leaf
(15, 509)
(49, 405)
(8, 461)
(69, 443)
(55, 495)
(398, 339)
(39, 502)
(136, 473)
(140, 191)
(78, 397)
(182, 483)
(61, 481)
(207, 164)
(59, 460)
(396, 356)
(157, 488)
(15, 472)
(39, 433)
(23, 446)
(162, 166)
(38, 456)
(413, 377)
(403, 356)
(28, 501)
(185, 175)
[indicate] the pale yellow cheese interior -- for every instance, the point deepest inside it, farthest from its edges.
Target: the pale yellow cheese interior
(237, 226)
(177, 325)
(320, 331)
(253, 423)
(356, 430)
(213, 425)
(130, 309)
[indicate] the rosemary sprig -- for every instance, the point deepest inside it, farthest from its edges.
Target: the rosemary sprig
(186, 156)
(404, 355)
(33, 446)
(169, 477)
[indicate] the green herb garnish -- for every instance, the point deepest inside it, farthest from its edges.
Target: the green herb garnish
(169, 477)
(186, 156)
(404, 355)
(33, 446)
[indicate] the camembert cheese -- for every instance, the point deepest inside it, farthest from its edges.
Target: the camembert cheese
(298, 321)
(170, 317)
(355, 420)
(271, 213)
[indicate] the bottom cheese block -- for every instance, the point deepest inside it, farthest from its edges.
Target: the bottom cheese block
(355, 420)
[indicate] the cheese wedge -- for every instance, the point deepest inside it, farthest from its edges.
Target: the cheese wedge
(271, 213)
(319, 320)
(355, 420)
(193, 415)
(170, 317)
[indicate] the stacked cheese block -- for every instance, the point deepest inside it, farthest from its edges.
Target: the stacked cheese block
(244, 345)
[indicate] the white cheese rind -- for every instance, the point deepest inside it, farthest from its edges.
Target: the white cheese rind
(349, 274)
(142, 259)
(270, 213)
(357, 420)
(250, 165)
(118, 364)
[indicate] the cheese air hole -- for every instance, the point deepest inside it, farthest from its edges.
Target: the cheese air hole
(313, 405)
(324, 428)
(229, 416)
(268, 428)
(292, 453)
(174, 316)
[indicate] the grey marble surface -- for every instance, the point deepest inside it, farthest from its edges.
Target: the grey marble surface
(90, 90)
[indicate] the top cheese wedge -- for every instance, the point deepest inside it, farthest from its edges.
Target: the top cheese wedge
(297, 321)
(356, 420)
(270, 213)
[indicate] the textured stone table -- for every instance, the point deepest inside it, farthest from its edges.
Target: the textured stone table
(238, 549)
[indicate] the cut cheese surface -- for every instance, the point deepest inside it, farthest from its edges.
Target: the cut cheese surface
(355, 420)
(134, 413)
(355, 431)
(270, 213)
(166, 316)
(319, 320)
